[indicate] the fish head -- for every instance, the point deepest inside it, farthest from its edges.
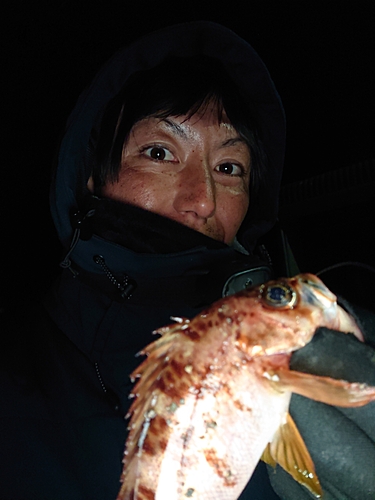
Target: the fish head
(306, 295)
(282, 315)
(301, 290)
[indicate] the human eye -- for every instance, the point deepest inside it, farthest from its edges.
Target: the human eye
(232, 169)
(158, 153)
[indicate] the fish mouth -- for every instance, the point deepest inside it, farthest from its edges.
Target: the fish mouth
(313, 291)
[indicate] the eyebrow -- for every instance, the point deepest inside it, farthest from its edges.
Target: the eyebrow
(175, 127)
(233, 141)
(178, 130)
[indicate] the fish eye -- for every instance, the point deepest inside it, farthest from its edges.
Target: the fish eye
(280, 296)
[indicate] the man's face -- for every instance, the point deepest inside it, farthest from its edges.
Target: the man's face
(194, 171)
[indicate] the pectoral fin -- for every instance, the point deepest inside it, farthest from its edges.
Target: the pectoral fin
(323, 389)
(289, 450)
(287, 447)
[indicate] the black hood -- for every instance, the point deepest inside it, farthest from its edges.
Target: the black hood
(184, 40)
(117, 294)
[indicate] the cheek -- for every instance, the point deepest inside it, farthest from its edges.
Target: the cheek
(141, 190)
(137, 192)
(232, 213)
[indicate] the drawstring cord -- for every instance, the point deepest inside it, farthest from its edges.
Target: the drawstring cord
(77, 222)
(66, 263)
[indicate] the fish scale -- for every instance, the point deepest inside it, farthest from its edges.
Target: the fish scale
(212, 396)
(210, 452)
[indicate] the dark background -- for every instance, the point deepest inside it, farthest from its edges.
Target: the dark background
(320, 55)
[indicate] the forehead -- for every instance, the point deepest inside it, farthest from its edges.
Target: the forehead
(210, 121)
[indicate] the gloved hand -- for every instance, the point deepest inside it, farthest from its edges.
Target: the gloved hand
(341, 441)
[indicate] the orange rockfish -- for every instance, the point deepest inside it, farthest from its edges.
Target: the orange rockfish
(213, 394)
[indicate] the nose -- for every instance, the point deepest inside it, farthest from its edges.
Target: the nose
(195, 194)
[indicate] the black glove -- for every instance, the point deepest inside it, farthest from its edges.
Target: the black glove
(341, 441)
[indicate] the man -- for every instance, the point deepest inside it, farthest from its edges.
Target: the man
(167, 180)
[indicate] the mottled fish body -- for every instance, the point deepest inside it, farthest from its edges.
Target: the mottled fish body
(212, 397)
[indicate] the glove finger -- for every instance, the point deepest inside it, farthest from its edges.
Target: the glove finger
(340, 440)
(343, 454)
(337, 355)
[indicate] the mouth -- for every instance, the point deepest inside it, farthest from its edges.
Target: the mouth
(315, 292)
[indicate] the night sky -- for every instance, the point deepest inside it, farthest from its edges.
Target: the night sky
(320, 56)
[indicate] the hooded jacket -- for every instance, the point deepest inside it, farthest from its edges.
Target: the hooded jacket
(64, 433)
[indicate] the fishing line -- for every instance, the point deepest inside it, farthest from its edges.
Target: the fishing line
(347, 263)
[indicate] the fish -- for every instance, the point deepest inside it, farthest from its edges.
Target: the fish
(211, 398)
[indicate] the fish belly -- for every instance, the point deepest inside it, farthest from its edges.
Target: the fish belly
(218, 439)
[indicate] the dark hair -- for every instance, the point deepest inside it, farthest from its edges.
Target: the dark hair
(178, 86)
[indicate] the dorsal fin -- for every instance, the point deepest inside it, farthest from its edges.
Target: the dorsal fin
(152, 398)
